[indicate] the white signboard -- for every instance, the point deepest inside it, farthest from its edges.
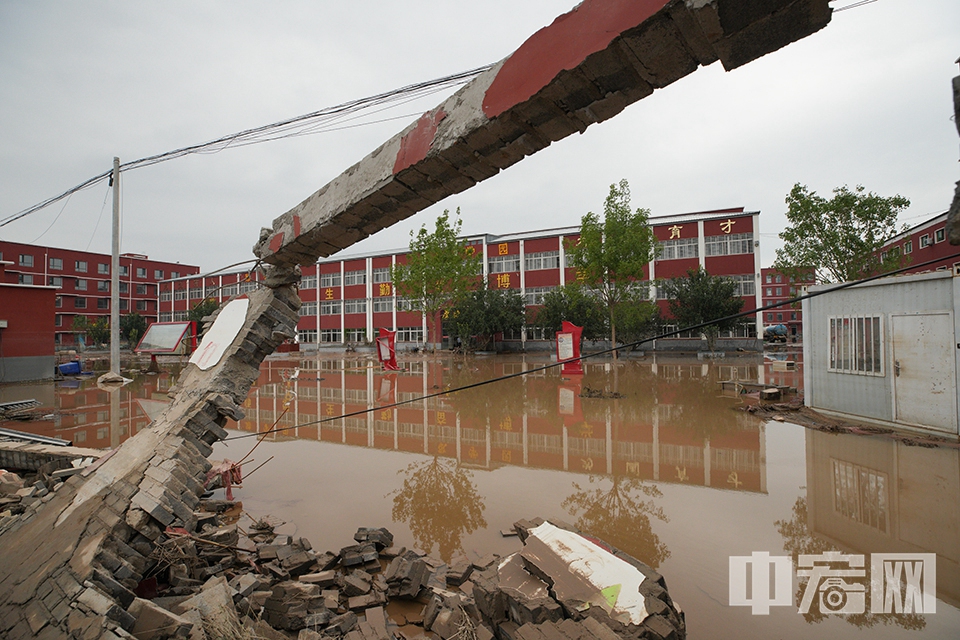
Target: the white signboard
(564, 346)
(221, 335)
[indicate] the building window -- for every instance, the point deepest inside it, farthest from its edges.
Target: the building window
(542, 260)
(677, 249)
(534, 295)
(56, 264)
(180, 294)
(404, 304)
(124, 270)
(58, 303)
(779, 278)
(55, 281)
(123, 304)
(141, 289)
(769, 278)
(925, 240)
(81, 266)
(103, 269)
(166, 296)
(330, 280)
(180, 316)
(58, 320)
(504, 264)
(779, 317)
(79, 303)
(410, 334)
(103, 285)
(908, 246)
(308, 282)
(330, 335)
(940, 234)
(308, 336)
(26, 260)
(158, 274)
(382, 304)
(124, 287)
(354, 277)
(746, 285)
(769, 292)
(174, 275)
(769, 316)
(196, 293)
(727, 245)
(166, 316)
(81, 284)
(141, 272)
(141, 305)
(103, 303)
(308, 308)
(381, 274)
(793, 315)
(330, 308)
(230, 290)
(856, 345)
(355, 306)
(779, 291)
(355, 335)
(860, 494)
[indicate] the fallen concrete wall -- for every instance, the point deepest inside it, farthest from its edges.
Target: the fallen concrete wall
(70, 564)
(584, 68)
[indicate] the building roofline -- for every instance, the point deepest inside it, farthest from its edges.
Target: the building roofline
(916, 228)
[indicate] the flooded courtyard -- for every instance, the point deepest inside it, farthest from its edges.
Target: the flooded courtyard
(651, 454)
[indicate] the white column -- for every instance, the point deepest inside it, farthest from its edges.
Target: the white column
(369, 294)
(701, 244)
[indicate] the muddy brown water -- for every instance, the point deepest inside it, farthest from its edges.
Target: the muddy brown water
(670, 471)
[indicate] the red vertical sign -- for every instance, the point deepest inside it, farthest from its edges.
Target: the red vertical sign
(387, 349)
(568, 349)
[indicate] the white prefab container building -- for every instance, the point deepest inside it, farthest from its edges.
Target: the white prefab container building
(886, 352)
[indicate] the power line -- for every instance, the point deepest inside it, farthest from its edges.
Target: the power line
(624, 347)
(315, 122)
(854, 5)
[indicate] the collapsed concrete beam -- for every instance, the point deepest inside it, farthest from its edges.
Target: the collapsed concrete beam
(586, 67)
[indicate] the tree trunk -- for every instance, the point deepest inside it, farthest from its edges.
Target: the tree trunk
(613, 334)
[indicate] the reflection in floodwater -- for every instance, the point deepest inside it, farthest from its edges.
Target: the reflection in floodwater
(621, 516)
(869, 495)
(440, 503)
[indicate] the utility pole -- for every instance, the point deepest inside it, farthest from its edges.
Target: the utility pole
(115, 274)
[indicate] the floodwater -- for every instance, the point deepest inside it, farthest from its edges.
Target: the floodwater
(671, 472)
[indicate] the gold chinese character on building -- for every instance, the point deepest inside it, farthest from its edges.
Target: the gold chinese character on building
(586, 463)
(386, 414)
(726, 226)
(506, 424)
(472, 453)
(503, 280)
(633, 468)
(506, 455)
(675, 231)
(682, 474)
(329, 409)
(502, 249)
(385, 289)
(328, 294)
(441, 417)
(442, 448)
(734, 480)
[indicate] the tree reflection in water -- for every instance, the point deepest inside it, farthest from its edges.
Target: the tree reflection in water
(621, 516)
(799, 540)
(440, 504)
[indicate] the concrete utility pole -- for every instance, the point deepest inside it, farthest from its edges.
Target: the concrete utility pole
(115, 274)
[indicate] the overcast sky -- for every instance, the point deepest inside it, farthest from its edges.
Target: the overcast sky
(865, 101)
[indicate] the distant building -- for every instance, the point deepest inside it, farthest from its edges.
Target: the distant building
(777, 287)
(924, 242)
(347, 297)
(82, 281)
(26, 329)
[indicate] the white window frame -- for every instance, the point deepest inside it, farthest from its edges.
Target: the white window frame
(330, 280)
(852, 345)
(355, 277)
(541, 260)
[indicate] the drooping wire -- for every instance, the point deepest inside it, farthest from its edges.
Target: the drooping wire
(307, 124)
(667, 334)
(854, 5)
(100, 217)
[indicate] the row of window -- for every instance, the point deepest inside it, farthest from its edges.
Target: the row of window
(939, 236)
(103, 268)
(104, 303)
(779, 291)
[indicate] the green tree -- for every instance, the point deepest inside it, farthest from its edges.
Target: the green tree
(700, 297)
(439, 270)
(637, 317)
(612, 253)
(574, 304)
(202, 309)
(481, 314)
(839, 238)
(132, 327)
(99, 331)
